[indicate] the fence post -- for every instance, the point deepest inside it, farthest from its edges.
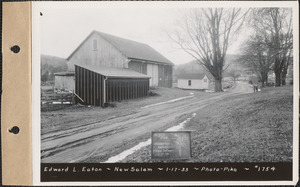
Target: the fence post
(61, 99)
(72, 97)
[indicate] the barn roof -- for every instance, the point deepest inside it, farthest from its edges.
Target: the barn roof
(191, 76)
(131, 49)
(113, 72)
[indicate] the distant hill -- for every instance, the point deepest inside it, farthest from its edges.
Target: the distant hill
(194, 67)
(189, 67)
(51, 65)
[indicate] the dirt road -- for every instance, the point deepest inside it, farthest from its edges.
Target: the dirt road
(98, 141)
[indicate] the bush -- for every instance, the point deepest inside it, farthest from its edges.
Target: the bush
(151, 93)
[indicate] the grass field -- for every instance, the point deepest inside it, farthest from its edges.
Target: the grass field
(253, 127)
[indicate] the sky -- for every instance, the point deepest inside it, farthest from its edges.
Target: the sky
(64, 27)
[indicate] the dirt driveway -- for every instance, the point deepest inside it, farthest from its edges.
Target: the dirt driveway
(97, 142)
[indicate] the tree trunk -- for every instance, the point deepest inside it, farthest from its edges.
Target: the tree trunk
(218, 85)
(284, 72)
(283, 78)
(277, 78)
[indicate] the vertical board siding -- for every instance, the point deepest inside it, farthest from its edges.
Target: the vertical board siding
(105, 55)
(89, 87)
(124, 89)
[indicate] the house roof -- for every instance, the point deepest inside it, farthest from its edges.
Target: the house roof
(191, 76)
(131, 49)
(113, 72)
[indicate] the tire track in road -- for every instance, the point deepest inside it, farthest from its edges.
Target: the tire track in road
(102, 139)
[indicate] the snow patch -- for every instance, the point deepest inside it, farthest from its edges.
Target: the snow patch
(181, 125)
(58, 102)
(130, 151)
(170, 101)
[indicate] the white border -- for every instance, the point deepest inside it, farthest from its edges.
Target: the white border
(36, 6)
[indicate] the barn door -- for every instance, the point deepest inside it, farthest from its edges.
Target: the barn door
(152, 71)
(155, 75)
(149, 73)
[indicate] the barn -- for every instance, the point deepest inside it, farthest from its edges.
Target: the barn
(101, 49)
(196, 81)
(99, 85)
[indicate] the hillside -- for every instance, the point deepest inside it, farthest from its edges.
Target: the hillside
(247, 128)
(51, 65)
(189, 67)
(232, 63)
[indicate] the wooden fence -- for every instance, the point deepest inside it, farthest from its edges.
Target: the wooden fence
(49, 96)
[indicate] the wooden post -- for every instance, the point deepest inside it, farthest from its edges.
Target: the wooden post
(72, 97)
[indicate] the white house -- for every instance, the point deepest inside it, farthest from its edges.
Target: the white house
(196, 81)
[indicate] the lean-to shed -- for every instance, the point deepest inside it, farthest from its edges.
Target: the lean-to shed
(99, 85)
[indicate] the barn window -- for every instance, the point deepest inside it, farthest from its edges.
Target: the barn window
(205, 80)
(95, 47)
(190, 82)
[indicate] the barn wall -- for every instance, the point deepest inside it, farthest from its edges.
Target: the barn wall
(123, 89)
(168, 76)
(137, 66)
(89, 87)
(195, 84)
(152, 71)
(105, 55)
(65, 82)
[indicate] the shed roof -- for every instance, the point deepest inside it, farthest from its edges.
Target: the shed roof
(113, 72)
(67, 73)
(131, 49)
(191, 76)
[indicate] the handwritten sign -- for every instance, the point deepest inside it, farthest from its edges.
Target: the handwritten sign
(171, 145)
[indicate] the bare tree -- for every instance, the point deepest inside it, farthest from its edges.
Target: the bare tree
(206, 33)
(234, 73)
(275, 24)
(257, 56)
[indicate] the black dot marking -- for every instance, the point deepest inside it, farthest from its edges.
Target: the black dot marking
(15, 49)
(14, 130)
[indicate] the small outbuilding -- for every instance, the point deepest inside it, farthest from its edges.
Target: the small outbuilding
(99, 85)
(196, 81)
(64, 80)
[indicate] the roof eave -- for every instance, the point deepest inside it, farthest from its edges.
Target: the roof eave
(156, 62)
(77, 48)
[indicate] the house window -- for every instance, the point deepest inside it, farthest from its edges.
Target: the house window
(95, 47)
(205, 80)
(190, 82)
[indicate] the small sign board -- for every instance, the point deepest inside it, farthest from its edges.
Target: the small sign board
(171, 145)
